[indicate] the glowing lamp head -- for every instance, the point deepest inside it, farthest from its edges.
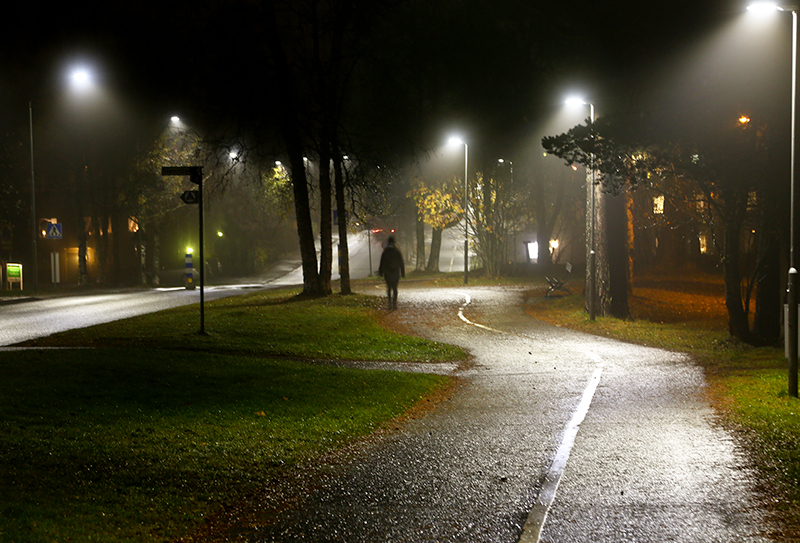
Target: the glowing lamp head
(764, 7)
(81, 79)
(455, 140)
(575, 101)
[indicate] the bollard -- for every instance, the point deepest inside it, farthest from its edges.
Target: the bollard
(189, 272)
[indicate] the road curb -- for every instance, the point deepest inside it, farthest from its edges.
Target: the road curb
(11, 301)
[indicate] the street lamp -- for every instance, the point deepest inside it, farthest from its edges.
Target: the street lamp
(592, 263)
(792, 318)
(457, 141)
(81, 78)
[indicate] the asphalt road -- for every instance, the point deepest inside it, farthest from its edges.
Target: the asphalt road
(556, 436)
(58, 312)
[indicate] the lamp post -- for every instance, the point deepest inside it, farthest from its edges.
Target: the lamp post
(590, 238)
(792, 318)
(81, 80)
(34, 225)
(457, 141)
(792, 295)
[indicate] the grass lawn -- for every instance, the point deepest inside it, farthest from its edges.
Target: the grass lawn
(748, 385)
(155, 428)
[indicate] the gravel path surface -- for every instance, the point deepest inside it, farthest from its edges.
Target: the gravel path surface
(648, 463)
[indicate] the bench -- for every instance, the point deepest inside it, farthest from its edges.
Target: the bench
(557, 284)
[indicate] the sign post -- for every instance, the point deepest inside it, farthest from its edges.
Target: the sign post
(55, 267)
(195, 174)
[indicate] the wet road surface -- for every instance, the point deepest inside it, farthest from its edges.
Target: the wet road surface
(555, 436)
(50, 314)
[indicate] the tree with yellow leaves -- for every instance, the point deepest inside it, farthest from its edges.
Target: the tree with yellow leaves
(439, 206)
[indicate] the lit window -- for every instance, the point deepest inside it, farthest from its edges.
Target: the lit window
(703, 239)
(658, 205)
(133, 224)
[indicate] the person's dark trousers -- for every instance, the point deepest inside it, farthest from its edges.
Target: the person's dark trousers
(392, 279)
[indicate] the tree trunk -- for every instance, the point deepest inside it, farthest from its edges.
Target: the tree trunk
(420, 230)
(486, 237)
(543, 226)
(617, 244)
(436, 246)
(152, 256)
(344, 251)
(326, 221)
(83, 249)
(305, 230)
(631, 240)
(100, 231)
(737, 317)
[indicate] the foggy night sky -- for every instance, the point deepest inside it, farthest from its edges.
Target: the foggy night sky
(157, 56)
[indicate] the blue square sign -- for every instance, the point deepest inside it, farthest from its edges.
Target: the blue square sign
(53, 231)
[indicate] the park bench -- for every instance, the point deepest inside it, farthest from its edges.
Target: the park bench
(557, 284)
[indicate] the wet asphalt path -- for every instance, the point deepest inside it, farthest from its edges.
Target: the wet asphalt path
(497, 461)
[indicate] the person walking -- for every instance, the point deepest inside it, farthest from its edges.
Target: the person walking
(392, 269)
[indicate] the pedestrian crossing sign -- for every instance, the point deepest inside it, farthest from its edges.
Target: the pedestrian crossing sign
(53, 231)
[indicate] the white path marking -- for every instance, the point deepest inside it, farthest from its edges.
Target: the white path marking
(532, 530)
(536, 518)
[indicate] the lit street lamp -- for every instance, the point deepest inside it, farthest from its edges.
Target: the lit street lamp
(592, 263)
(792, 319)
(457, 141)
(81, 78)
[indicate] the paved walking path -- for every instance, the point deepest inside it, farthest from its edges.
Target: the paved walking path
(643, 460)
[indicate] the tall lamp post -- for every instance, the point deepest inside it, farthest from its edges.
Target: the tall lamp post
(592, 263)
(82, 80)
(34, 226)
(792, 318)
(457, 141)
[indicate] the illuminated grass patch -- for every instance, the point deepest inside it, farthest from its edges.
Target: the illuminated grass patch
(144, 436)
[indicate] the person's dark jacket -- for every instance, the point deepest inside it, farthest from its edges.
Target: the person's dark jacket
(392, 266)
